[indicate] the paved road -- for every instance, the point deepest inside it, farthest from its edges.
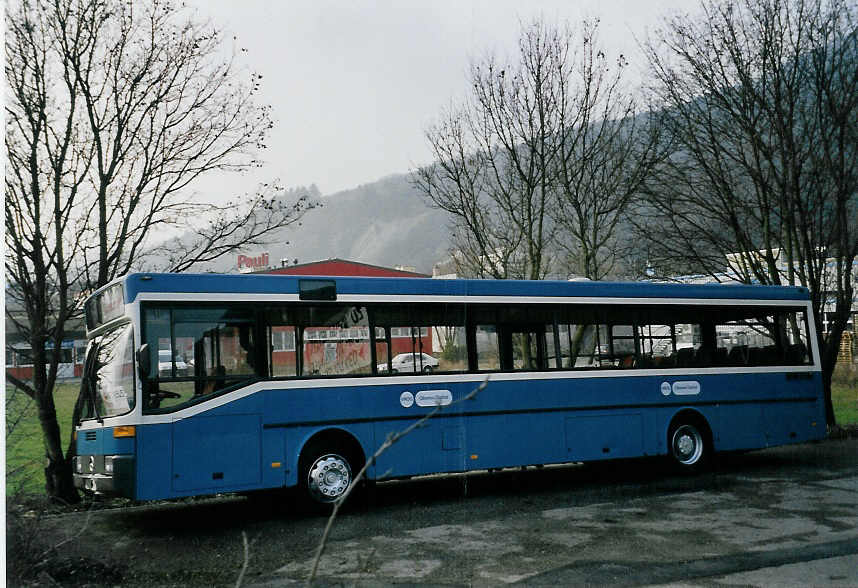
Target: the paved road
(786, 516)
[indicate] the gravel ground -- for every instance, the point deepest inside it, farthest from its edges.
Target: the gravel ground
(786, 510)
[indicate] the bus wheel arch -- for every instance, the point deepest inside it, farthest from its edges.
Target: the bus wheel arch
(328, 463)
(689, 441)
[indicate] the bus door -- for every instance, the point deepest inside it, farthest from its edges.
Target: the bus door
(217, 449)
(211, 452)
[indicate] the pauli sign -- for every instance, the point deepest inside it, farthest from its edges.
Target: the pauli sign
(249, 264)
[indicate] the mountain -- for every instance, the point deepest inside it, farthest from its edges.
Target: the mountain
(386, 223)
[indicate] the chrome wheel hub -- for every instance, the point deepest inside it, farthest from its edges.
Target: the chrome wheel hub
(687, 445)
(328, 478)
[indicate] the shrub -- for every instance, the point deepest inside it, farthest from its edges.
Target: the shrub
(453, 352)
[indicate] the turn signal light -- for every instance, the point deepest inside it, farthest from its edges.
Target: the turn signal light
(124, 431)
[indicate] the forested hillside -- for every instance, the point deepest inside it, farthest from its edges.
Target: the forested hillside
(383, 223)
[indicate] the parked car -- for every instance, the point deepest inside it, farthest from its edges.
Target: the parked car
(410, 362)
(165, 365)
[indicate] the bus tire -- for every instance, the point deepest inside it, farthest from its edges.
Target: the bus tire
(689, 446)
(326, 470)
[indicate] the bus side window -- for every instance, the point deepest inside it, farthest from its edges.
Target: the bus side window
(525, 348)
(579, 346)
(488, 353)
(410, 349)
(552, 347)
(421, 338)
(750, 341)
(221, 356)
(623, 346)
(794, 338)
(525, 351)
(656, 345)
(382, 350)
(334, 341)
(282, 355)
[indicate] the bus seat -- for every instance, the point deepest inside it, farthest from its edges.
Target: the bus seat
(212, 386)
(796, 354)
(771, 355)
(738, 355)
(720, 356)
(703, 357)
(684, 357)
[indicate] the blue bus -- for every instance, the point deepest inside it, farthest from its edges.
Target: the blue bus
(204, 384)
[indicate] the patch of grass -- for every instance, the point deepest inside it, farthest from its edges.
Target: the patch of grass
(25, 448)
(844, 396)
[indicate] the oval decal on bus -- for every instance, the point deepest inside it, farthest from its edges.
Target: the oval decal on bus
(406, 399)
(688, 388)
(434, 398)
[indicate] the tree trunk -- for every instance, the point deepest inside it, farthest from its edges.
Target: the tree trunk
(59, 483)
(829, 349)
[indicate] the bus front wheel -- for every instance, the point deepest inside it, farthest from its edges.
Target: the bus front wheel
(688, 446)
(327, 477)
(326, 469)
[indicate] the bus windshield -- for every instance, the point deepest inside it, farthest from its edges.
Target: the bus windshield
(108, 380)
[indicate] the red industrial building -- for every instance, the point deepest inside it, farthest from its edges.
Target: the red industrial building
(343, 267)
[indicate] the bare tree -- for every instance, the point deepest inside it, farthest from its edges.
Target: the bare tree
(543, 158)
(495, 154)
(606, 152)
(112, 110)
(760, 102)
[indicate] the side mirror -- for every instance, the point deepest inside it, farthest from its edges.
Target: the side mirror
(144, 363)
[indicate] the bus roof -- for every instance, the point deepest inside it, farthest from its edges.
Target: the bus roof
(136, 284)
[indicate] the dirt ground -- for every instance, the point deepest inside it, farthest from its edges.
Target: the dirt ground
(791, 511)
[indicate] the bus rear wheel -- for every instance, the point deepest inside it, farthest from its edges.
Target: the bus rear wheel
(688, 446)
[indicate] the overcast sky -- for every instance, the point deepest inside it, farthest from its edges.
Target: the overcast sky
(354, 83)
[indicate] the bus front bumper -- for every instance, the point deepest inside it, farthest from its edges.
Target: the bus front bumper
(111, 475)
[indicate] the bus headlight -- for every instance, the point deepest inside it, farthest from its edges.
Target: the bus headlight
(78, 464)
(108, 464)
